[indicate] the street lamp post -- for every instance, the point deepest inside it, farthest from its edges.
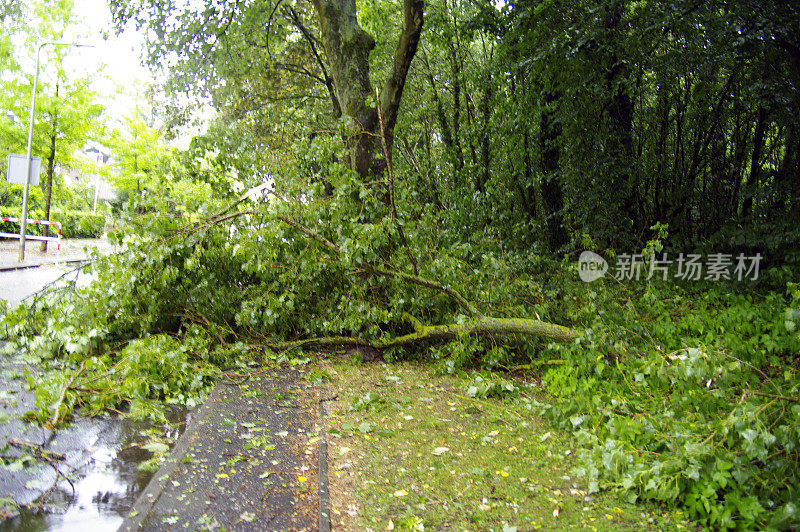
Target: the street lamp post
(24, 216)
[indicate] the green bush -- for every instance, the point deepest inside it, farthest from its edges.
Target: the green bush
(11, 196)
(687, 398)
(76, 224)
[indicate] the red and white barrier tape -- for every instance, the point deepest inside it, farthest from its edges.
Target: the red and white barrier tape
(33, 237)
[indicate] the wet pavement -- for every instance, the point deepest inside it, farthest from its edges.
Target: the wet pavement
(19, 281)
(72, 250)
(83, 475)
(18, 285)
(249, 460)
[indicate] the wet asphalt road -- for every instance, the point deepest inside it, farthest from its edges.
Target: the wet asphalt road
(101, 454)
(16, 285)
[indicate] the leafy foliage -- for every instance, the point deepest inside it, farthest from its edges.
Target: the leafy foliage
(711, 426)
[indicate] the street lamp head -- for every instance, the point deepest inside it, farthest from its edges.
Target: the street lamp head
(59, 43)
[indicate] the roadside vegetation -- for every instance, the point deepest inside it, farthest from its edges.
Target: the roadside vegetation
(437, 242)
(681, 395)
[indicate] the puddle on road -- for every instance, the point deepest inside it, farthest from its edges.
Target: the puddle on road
(101, 459)
(102, 454)
(106, 485)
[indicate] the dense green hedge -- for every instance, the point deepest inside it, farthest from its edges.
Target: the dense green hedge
(13, 227)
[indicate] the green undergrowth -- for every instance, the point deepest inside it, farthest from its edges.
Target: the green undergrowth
(417, 450)
(687, 397)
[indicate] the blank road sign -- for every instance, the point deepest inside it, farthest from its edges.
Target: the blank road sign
(15, 170)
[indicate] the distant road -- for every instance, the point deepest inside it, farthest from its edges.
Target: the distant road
(71, 249)
(16, 285)
(19, 281)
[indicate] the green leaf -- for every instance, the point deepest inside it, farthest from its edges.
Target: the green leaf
(156, 447)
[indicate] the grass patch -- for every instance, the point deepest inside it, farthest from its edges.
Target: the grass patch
(412, 450)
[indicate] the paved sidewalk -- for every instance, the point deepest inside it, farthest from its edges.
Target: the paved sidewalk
(249, 460)
(72, 250)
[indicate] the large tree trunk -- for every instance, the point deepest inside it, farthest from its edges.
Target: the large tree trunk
(348, 48)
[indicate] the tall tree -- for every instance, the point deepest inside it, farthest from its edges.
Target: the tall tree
(67, 114)
(138, 151)
(332, 49)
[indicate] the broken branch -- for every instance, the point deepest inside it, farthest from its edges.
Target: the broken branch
(56, 410)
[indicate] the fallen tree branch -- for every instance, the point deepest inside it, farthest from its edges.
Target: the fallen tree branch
(774, 396)
(308, 232)
(483, 326)
(413, 279)
(37, 450)
(56, 415)
(478, 324)
(53, 459)
(433, 285)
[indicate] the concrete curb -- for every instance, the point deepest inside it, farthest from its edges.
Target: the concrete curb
(144, 504)
(324, 494)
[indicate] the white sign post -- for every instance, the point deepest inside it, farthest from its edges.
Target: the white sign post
(15, 169)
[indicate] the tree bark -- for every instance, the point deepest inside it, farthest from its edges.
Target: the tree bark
(348, 47)
(484, 326)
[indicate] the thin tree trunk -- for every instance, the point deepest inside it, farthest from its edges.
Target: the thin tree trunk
(620, 115)
(552, 195)
(664, 106)
(51, 163)
(483, 176)
(527, 190)
(458, 155)
(755, 159)
(741, 135)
